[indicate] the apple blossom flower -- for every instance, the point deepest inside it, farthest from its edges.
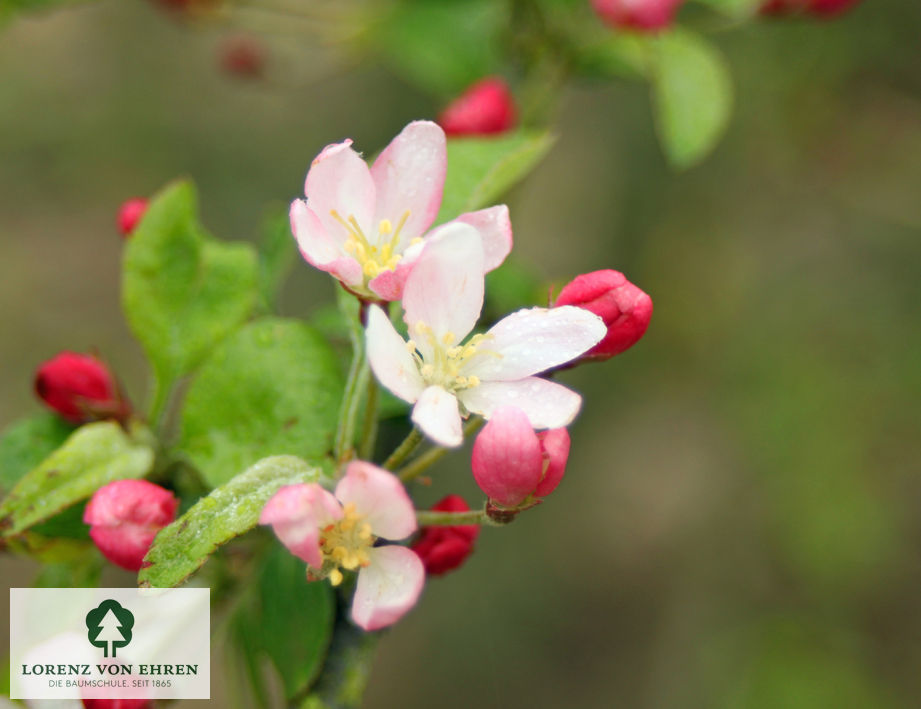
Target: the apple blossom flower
(486, 108)
(365, 225)
(641, 15)
(511, 462)
(446, 375)
(129, 214)
(625, 309)
(335, 532)
(125, 516)
(80, 388)
(444, 548)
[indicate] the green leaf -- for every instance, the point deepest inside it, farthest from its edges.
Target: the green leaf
(274, 387)
(94, 455)
(232, 509)
(277, 254)
(183, 292)
(481, 169)
(442, 45)
(26, 443)
(692, 91)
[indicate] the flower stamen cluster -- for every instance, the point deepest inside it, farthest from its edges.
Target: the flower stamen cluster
(446, 361)
(373, 259)
(345, 543)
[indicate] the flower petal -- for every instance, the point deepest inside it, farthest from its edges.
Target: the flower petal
(507, 462)
(436, 413)
(409, 175)
(495, 227)
(319, 249)
(390, 361)
(547, 404)
(387, 588)
(339, 180)
(531, 341)
(380, 498)
(296, 513)
(445, 288)
(555, 446)
(388, 285)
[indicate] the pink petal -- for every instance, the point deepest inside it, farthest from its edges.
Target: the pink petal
(410, 175)
(495, 229)
(388, 285)
(436, 413)
(390, 360)
(380, 498)
(555, 447)
(547, 404)
(445, 288)
(339, 180)
(387, 588)
(507, 462)
(320, 249)
(297, 513)
(531, 341)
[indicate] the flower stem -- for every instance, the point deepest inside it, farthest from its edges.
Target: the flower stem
(424, 461)
(429, 518)
(405, 449)
(369, 426)
(355, 385)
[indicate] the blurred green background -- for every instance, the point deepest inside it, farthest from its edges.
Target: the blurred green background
(740, 525)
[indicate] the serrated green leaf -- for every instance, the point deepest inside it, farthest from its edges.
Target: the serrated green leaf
(277, 254)
(94, 455)
(183, 292)
(481, 169)
(274, 387)
(230, 510)
(26, 443)
(692, 92)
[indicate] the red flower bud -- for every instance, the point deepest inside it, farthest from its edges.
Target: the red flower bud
(80, 388)
(829, 8)
(117, 704)
(644, 15)
(129, 214)
(443, 549)
(625, 309)
(125, 516)
(242, 56)
(486, 108)
(820, 8)
(511, 462)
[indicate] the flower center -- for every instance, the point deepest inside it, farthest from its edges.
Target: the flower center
(345, 544)
(448, 359)
(373, 259)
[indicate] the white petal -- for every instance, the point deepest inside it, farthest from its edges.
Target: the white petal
(380, 498)
(547, 404)
(339, 180)
(388, 587)
(445, 288)
(409, 175)
(495, 229)
(436, 413)
(531, 341)
(390, 361)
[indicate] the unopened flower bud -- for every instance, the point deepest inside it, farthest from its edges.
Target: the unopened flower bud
(445, 548)
(486, 108)
(645, 15)
(117, 704)
(625, 309)
(511, 462)
(242, 56)
(80, 388)
(125, 516)
(129, 214)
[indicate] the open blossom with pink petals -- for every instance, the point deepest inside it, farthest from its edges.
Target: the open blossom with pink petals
(511, 462)
(365, 226)
(445, 375)
(336, 532)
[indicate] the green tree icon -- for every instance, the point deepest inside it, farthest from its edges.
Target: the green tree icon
(109, 626)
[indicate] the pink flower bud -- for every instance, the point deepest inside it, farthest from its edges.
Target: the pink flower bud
(443, 549)
(242, 56)
(125, 516)
(117, 704)
(486, 108)
(512, 463)
(80, 388)
(625, 309)
(646, 15)
(129, 214)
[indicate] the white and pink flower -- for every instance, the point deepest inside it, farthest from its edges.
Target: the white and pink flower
(447, 376)
(338, 532)
(365, 226)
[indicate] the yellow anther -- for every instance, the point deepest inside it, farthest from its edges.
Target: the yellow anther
(473, 381)
(427, 371)
(385, 227)
(364, 531)
(448, 338)
(335, 577)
